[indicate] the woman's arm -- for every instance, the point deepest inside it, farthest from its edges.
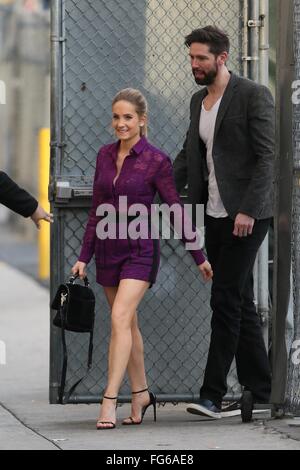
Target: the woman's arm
(165, 184)
(89, 238)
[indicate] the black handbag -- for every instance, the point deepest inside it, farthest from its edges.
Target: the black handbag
(75, 305)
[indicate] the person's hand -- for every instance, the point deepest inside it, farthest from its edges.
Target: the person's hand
(206, 271)
(79, 267)
(41, 214)
(243, 225)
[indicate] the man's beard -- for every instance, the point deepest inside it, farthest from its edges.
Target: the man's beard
(208, 78)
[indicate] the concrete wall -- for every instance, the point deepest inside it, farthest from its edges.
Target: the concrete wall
(24, 68)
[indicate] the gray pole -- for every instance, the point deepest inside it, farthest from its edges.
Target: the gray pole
(263, 254)
(55, 159)
(264, 42)
(282, 219)
(245, 38)
(258, 25)
(254, 39)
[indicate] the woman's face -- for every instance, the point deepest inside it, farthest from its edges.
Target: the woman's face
(126, 121)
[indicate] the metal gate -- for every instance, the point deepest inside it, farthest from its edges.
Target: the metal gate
(99, 47)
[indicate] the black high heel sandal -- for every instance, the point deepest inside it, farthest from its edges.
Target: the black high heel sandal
(99, 422)
(144, 409)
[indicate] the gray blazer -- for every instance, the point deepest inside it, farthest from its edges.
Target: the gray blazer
(243, 150)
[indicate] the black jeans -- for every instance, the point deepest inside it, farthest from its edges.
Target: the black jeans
(236, 330)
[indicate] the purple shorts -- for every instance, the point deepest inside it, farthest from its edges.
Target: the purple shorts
(127, 259)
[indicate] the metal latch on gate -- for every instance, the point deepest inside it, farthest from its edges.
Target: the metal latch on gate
(82, 192)
(250, 58)
(65, 192)
(256, 23)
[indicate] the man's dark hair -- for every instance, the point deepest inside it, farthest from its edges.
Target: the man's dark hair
(217, 40)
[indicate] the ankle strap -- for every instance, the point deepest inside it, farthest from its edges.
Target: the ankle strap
(110, 398)
(140, 391)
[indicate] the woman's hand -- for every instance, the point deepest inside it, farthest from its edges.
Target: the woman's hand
(206, 271)
(79, 267)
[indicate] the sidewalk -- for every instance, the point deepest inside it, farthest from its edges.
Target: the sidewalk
(17, 252)
(27, 421)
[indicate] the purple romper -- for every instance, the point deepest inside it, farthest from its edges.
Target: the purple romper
(145, 171)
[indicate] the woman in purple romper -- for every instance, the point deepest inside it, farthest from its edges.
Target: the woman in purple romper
(127, 267)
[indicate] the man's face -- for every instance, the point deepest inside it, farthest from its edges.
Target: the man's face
(204, 64)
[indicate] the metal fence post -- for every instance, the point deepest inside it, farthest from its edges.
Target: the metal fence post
(263, 254)
(258, 59)
(282, 219)
(293, 388)
(55, 158)
(254, 27)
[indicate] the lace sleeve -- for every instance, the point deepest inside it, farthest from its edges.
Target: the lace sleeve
(88, 244)
(165, 185)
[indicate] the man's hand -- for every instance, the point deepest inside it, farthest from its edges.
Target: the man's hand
(79, 268)
(243, 225)
(41, 214)
(206, 271)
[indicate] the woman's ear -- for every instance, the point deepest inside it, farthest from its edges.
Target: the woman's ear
(143, 120)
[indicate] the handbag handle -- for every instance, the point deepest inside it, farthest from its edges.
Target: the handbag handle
(73, 278)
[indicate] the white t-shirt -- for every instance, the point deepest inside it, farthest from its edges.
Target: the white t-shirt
(215, 207)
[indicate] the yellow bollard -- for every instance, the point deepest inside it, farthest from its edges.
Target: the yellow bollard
(44, 232)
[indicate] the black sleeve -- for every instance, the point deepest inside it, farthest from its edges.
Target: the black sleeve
(180, 168)
(261, 113)
(16, 198)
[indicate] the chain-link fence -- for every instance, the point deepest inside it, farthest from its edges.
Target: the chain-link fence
(97, 49)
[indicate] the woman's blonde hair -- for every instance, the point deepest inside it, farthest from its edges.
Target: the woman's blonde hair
(137, 99)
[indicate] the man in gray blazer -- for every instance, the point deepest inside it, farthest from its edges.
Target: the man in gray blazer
(227, 161)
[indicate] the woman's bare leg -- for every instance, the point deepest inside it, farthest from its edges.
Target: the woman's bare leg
(136, 364)
(136, 373)
(126, 300)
